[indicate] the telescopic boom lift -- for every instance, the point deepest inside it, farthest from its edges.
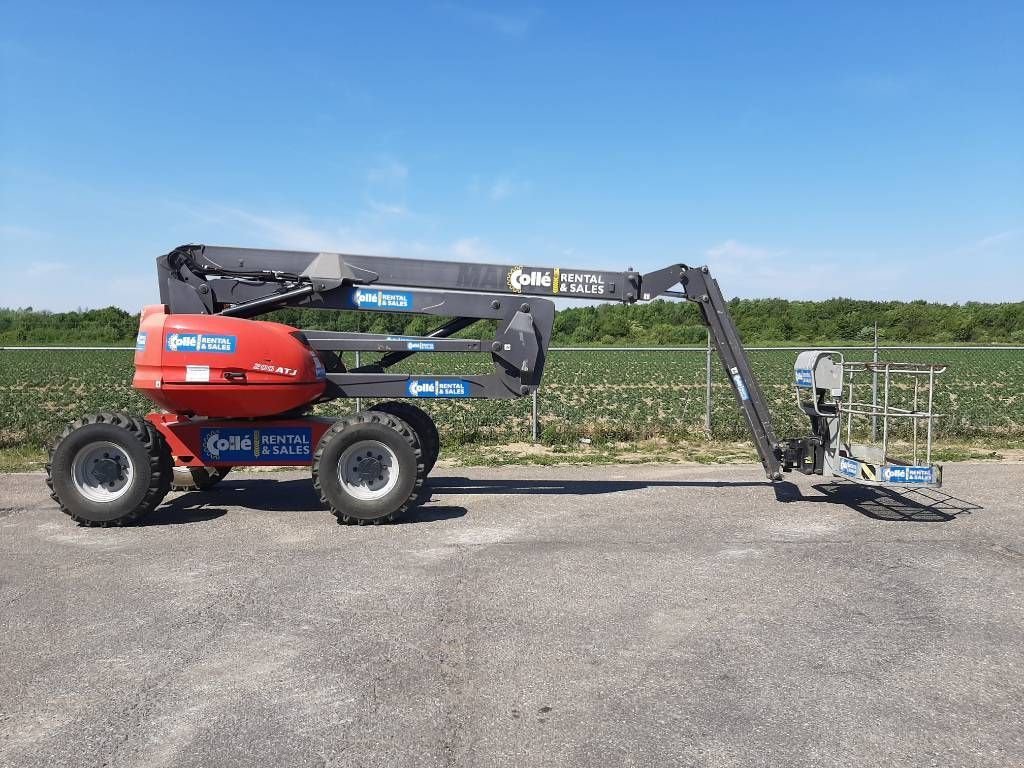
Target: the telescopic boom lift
(235, 391)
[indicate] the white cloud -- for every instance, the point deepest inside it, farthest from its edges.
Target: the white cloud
(389, 180)
(502, 188)
(512, 25)
(17, 232)
(60, 287)
(755, 271)
(470, 249)
(388, 209)
(388, 171)
(42, 268)
(732, 252)
(992, 242)
(231, 224)
(499, 188)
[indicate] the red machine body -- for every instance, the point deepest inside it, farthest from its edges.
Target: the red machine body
(224, 367)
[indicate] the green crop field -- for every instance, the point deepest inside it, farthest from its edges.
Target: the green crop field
(602, 395)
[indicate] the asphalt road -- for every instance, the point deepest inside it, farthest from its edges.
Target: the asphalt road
(556, 616)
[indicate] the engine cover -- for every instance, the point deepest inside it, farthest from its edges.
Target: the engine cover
(227, 367)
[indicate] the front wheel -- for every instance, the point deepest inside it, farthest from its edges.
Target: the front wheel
(368, 468)
(109, 469)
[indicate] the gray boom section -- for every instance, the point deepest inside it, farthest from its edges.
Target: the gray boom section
(344, 341)
(703, 290)
(518, 350)
(327, 271)
(490, 386)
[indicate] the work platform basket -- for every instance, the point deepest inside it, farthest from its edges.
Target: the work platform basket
(871, 411)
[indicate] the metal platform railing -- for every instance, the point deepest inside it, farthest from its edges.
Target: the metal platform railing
(920, 407)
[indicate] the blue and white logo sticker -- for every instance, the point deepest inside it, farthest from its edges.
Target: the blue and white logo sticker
(804, 378)
(413, 345)
(366, 298)
(268, 444)
(200, 342)
(741, 386)
(140, 341)
(910, 475)
(849, 467)
(318, 366)
(438, 388)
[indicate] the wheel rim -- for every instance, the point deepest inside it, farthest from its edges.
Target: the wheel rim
(368, 470)
(102, 471)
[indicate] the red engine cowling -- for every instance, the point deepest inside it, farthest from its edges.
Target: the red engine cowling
(226, 367)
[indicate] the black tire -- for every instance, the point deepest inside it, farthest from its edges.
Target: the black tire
(422, 424)
(402, 460)
(197, 478)
(137, 444)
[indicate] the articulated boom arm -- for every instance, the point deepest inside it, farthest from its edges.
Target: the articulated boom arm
(249, 274)
(203, 279)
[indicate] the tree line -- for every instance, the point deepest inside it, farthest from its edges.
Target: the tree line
(760, 321)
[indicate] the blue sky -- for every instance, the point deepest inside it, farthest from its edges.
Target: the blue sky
(804, 150)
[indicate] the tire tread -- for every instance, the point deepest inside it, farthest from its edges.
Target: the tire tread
(369, 417)
(160, 464)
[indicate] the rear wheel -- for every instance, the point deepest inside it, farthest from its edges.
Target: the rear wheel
(368, 468)
(109, 469)
(197, 478)
(422, 425)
